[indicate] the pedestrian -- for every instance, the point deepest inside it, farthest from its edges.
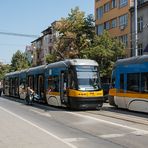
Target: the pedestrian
(29, 96)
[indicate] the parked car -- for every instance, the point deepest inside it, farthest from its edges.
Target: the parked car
(105, 87)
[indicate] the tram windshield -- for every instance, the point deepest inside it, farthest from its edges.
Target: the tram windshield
(88, 78)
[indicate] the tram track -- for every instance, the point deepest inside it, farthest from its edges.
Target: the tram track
(108, 113)
(129, 118)
(90, 123)
(104, 112)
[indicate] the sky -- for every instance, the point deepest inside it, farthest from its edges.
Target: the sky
(32, 17)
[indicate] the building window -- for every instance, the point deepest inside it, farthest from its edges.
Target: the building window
(140, 24)
(114, 23)
(107, 25)
(140, 49)
(114, 4)
(106, 7)
(50, 50)
(46, 39)
(140, 2)
(100, 29)
(123, 3)
(123, 20)
(99, 12)
(124, 39)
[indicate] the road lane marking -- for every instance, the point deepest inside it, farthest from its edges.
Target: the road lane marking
(140, 133)
(41, 113)
(108, 122)
(74, 139)
(38, 127)
(137, 133)
(112, 135)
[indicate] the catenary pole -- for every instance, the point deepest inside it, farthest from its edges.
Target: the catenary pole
(136, 35)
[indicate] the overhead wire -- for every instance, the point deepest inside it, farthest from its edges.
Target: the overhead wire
(19, 34)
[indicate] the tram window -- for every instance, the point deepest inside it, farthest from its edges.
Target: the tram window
(86, 68)
(144, 82)
(6, 82)
(88, 81)
(122, 82)
(53, 83)
(22, 83)
(71, 80)
(16, 87)
(133, 82)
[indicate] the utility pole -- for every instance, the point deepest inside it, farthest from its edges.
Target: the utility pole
(136, 33)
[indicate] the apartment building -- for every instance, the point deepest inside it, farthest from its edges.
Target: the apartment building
(44, 45)
(142, 27)
(114, 16)
(37, 52)
(29, 53)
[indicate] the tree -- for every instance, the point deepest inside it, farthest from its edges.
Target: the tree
(77, 39)
(76, 32)
(50, 58)
(19, 61)
(105, 50)
(4, 69)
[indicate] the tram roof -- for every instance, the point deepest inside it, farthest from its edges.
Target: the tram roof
(34, 70)
(132, 60)
(68, 62)
(13, 73)
(16, 72)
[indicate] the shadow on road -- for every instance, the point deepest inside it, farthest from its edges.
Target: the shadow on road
(107, 107)
(40, 105)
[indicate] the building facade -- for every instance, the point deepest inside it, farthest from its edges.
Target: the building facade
(47, 43)
(36, 45)
(29, 53)
(142, 27)
(114, 16)
(44, 45)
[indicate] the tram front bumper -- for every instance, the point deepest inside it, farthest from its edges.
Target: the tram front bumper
(86, 103)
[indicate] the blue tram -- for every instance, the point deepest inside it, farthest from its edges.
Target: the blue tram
(130, 84)
(71, 83)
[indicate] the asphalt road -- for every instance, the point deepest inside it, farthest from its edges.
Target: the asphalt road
(41, 126)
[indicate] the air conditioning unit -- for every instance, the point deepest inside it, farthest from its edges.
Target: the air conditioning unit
(122, 27)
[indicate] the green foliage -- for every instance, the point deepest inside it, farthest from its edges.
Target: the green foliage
(19, 61)
(3, 70)
(77, 39)
(76, 33)
(50, 58)
(105, 50)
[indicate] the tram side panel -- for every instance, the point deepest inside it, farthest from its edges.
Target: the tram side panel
(131, 85)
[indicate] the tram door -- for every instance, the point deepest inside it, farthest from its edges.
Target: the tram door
(31, 82)
(40, 87)
(10, 86)
(63, 87)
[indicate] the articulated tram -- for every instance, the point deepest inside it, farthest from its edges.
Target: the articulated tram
(71, 83)
(130, 84)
